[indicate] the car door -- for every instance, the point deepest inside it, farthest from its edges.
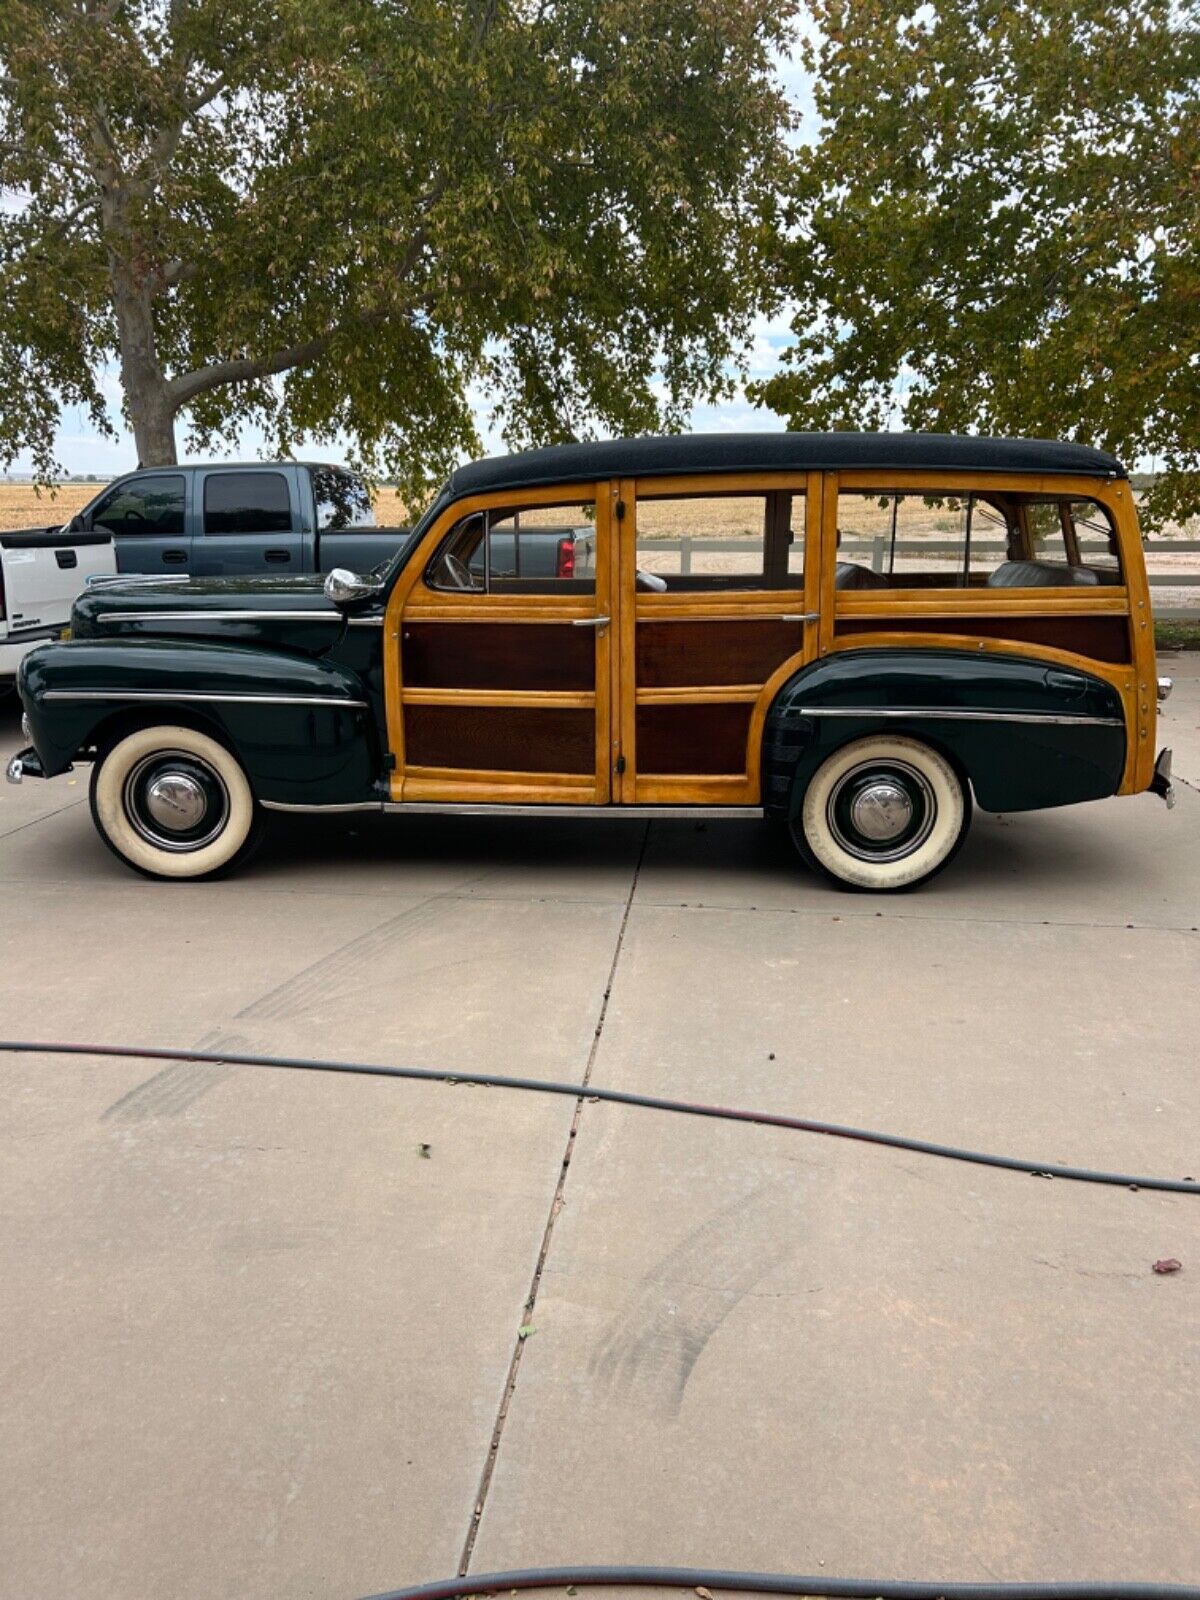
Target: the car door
(249, 522)
(499, 681)
(147, 517)
(719, 601)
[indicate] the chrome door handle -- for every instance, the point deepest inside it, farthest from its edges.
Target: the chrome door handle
(590, 622)
(801, 616)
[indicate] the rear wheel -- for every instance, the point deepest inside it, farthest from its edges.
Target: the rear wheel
(173, 803)
(882, 813)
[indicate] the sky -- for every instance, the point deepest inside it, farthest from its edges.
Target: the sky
(80, 450)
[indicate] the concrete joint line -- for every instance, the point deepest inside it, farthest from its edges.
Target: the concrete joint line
(556, 1205)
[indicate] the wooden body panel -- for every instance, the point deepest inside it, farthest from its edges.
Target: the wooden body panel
(499, 696)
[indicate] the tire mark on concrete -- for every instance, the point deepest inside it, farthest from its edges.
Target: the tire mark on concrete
(648, 1350)
(178, 1085)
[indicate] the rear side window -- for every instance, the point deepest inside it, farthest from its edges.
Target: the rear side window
(889, 540)
(143, 508)
(247, 502)
(343, 500)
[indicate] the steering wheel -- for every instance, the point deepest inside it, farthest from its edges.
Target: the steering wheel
(458, 571)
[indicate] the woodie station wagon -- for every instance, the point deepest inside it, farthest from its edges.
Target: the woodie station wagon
(858, 635)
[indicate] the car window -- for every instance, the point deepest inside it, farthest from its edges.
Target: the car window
(343, 500)
(520, 550)
(689, 543)
(143, 508)
(246, 502)
(993, 540)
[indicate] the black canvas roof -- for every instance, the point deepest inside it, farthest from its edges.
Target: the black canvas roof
(777, 452)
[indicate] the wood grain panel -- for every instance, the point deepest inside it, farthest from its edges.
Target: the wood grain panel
(498, 655)
(1100, 638)
(500, 739)
(693, 739)
(702, 652)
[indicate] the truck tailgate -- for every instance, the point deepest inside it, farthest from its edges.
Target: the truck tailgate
(42, 570)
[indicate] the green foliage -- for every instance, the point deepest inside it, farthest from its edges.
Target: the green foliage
(346, 216)
(999, 227)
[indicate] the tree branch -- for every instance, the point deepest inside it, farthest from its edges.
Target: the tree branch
(182, 390)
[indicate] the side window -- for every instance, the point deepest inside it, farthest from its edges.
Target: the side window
(247, 502)
(521, 550)
(700, 543)
(343, 500)
(144, 507)
(890, 540)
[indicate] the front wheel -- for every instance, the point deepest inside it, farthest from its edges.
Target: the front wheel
(173, 803)
(882, 813)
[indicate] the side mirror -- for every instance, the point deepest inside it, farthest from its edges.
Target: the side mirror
(344, 588)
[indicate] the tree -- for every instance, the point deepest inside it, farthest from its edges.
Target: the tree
(998, 227)
(338, 216)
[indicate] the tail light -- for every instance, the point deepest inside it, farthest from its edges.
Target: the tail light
(1, 586)
(566, 558)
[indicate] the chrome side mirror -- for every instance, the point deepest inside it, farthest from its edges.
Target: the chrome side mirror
(343, 587)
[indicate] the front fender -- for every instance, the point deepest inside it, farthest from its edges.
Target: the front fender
(1027, 733)
(301, 727)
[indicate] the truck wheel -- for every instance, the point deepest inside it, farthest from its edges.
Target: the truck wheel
(882, 813)
(173, 803)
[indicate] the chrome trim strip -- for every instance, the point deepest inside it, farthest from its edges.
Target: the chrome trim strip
(928, 714)
(474, 808)
(216, 699)
(350, 805)
(199, 614)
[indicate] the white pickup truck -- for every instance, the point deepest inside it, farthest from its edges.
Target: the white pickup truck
(42, 570)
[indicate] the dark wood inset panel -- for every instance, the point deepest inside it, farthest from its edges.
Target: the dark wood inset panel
(501, 738)
(671, 654)
(1103, 638)
(699, 739)
(498, 655)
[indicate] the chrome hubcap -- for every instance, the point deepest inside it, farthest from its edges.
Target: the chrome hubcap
(881, 811)
(176, 801)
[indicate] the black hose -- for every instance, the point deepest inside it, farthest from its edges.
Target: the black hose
(621, 1097)
(781, 1583)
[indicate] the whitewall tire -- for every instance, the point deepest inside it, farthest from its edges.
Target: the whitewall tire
(172, 802)
(882, 813)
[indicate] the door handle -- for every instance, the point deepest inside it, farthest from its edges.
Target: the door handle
(801, 616)
(175, 557)
(67, 558)
(278, 555)
(590, 622)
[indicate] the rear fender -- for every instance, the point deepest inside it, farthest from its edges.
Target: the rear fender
(1025, 733)
(302, 728)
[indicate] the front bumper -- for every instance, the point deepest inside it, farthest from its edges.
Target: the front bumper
(1160, 783)
(25, 764)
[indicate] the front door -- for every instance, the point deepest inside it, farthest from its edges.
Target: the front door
(719, 601)
(499, 653)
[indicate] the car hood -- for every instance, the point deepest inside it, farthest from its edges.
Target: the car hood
(272, 609)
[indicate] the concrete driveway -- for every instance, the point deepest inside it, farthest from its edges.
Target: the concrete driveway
(260, 1332)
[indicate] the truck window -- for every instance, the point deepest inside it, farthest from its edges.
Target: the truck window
(143, 508)
(247, 502)
(343, 500)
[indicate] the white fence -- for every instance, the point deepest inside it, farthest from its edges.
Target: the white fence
(876, 551)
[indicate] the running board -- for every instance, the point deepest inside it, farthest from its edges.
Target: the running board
(473, 808)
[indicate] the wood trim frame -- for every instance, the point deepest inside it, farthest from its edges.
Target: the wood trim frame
(412, 599)
(743, 605)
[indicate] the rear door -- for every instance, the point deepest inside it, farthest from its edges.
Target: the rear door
(147, 517)
(719, 601)
(248, 522)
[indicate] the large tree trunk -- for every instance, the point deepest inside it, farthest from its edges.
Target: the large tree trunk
(147, 392)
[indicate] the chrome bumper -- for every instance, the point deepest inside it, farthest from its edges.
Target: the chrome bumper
(25, 761)
(1160, 783)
